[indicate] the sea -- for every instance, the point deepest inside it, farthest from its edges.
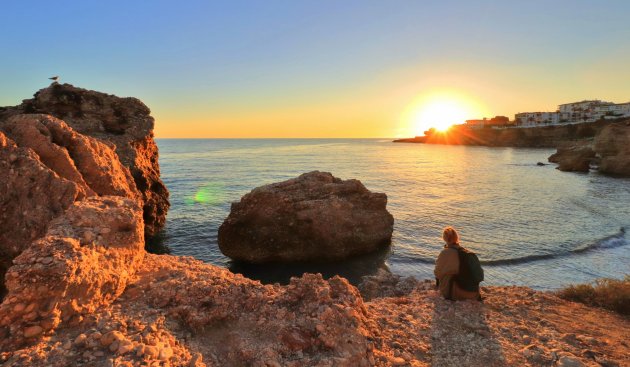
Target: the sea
(529, 224)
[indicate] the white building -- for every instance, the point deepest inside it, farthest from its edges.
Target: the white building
(576, 112)
(537, 118)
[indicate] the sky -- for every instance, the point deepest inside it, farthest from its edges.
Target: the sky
(312, 69)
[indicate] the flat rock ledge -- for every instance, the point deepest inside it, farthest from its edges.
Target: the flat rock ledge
(314, 217)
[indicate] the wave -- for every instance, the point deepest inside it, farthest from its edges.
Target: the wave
(608, 242)
(613, 241)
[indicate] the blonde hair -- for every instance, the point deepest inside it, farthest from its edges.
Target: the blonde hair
(450, 236)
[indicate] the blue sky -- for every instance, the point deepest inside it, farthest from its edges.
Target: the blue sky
(235, 65)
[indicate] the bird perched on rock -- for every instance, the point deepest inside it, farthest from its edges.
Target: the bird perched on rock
(54, 78)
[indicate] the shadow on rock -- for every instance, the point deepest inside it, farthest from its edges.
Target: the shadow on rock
(461, 336)
(157, 244)
(353, 269)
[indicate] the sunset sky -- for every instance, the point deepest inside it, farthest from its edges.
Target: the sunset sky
(319, 68)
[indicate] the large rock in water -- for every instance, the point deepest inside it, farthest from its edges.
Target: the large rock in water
(123, 123)
(314, 217)
(612, 144)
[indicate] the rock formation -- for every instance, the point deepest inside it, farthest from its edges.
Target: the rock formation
(90, 163)
(82, 263)
(82, 291)
(535, 137)
(313, 217)
(573, 157)
(31, 195)
(609, 151)
(125, 124)
(612, 144)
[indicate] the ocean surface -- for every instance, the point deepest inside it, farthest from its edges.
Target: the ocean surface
(531, 225)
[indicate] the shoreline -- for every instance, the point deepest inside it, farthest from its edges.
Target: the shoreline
(85, 195)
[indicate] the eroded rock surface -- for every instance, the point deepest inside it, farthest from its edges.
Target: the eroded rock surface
(313, 217)
(612, 144)
(31, 195)
(82, 263)
(87, 161)
(609, 151)
(574, 157)
(124, 123)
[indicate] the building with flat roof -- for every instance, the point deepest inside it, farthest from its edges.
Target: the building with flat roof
(575, 112)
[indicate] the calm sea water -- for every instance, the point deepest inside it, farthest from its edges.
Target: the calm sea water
(530, 225)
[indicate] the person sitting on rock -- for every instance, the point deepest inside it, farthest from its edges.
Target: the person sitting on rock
(457, 270)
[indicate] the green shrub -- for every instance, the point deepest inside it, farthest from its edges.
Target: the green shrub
(611, 294)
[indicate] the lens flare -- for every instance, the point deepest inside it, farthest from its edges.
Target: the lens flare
(208, 194)
(441, 110)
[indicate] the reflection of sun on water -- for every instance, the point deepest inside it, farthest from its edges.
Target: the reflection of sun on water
(441, 111)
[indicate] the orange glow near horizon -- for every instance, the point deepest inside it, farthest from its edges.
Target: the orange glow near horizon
(441, 110)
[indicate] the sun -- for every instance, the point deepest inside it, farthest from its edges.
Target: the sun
(441, 110)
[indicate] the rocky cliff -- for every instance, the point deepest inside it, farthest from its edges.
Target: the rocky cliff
(612, 145)
(608, 152)
(537, 137)
(82, 291)
(123, 124)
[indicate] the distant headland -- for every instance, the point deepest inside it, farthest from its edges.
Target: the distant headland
(587, 134)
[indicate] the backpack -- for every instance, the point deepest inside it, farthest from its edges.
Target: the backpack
(470, 271)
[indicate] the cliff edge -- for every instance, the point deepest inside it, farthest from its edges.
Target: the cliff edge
(124, 124)
(81, 290)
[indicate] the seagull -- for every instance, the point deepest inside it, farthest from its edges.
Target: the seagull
(54, 78)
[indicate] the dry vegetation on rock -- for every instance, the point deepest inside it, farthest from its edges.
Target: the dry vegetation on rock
(611, 294)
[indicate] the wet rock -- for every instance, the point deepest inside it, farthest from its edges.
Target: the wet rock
(314, 217)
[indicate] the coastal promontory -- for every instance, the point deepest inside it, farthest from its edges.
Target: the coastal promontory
(124, 124)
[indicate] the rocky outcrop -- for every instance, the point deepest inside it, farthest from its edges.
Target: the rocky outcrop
(48, 166)
(181, 312)
(535, 137)
(313, 217)
(125, 124)
(82, 263)
(612, 144)
(90, 163)
(386, 284)
(82, 291)
(31, 195)
(574, 157)
(609, 151)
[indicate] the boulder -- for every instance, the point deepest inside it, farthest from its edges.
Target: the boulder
(123, 123)
(612, 144)
(574, 157)
(314, 217)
